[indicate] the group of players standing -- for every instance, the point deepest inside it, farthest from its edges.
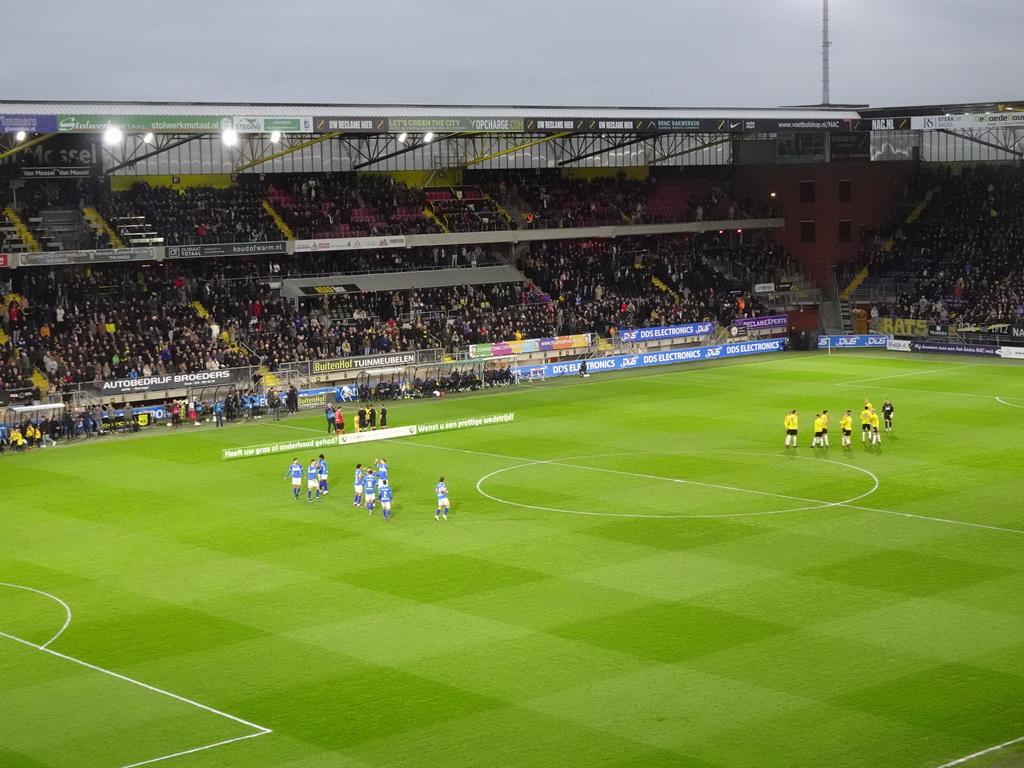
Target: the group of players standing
(869, 426)
(365, 420)
(370, 485)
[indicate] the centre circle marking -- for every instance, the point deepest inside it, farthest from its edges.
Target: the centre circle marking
(558, 462)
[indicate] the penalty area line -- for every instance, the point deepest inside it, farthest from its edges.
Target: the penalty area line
(260, 730)
(950, 367)
(198, 749)
(990, 750)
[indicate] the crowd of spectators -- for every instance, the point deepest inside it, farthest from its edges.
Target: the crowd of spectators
(92, 324)
(193, 215)
(611, 283)
(112, 321)
(467, 209)
(324, 206)
(548, 199)
(347, 205)
(962, 261)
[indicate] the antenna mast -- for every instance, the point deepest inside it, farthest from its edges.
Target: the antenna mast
(824, 53)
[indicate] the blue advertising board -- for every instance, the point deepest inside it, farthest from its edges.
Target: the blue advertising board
(624, 362)
(666, 332)
(863, 340)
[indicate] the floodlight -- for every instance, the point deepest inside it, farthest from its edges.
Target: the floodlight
(429, 137)
(148, 138)
(402, 137)
(112, 135)
(229, 137)
(20, 135)
(275, 137)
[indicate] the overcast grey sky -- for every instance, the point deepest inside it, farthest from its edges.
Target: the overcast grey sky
(553, 52)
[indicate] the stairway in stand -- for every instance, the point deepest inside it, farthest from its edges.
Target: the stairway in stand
(281, 225)
(95, 220)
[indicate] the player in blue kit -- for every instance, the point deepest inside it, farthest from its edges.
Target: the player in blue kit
(357, 501)
(370, 489)
(313, 480)
(382, 469)
(295, 473)
(442, 499)
(385, 499)
(322, 475)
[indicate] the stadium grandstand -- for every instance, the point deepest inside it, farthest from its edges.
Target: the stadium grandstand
(148, 240)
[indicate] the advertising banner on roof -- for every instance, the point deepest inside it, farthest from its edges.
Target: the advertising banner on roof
(144, 123)
(456, 124)
(951, 122)
(691, 124)
(28, 123)
(243, 124)
(350, 124)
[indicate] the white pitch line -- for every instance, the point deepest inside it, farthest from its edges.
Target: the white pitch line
(259, 728)
(934, 519)
(562, 463)
(962, 760)
(67, 608)
(939, 392)
(795, 498)
(923, 391)
(198, 749)
(913, 373)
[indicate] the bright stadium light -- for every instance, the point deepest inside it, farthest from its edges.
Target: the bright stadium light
(429, 137)
(229, 137)
(20, 135)
(402, 137)
(148, 138)
(275, 137)
(112, 135)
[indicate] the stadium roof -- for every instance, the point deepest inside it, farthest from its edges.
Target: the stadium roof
(352, 120)
(200, 117)
(191, 109)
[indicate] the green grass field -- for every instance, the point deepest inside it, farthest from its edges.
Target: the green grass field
(636, 572)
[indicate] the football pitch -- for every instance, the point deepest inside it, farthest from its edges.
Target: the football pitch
(636, 572)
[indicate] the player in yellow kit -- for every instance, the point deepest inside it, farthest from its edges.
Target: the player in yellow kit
(865, 423)
(790, 423)
(846, 425)
(824, 428)
(876, 438)
(816, 442)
